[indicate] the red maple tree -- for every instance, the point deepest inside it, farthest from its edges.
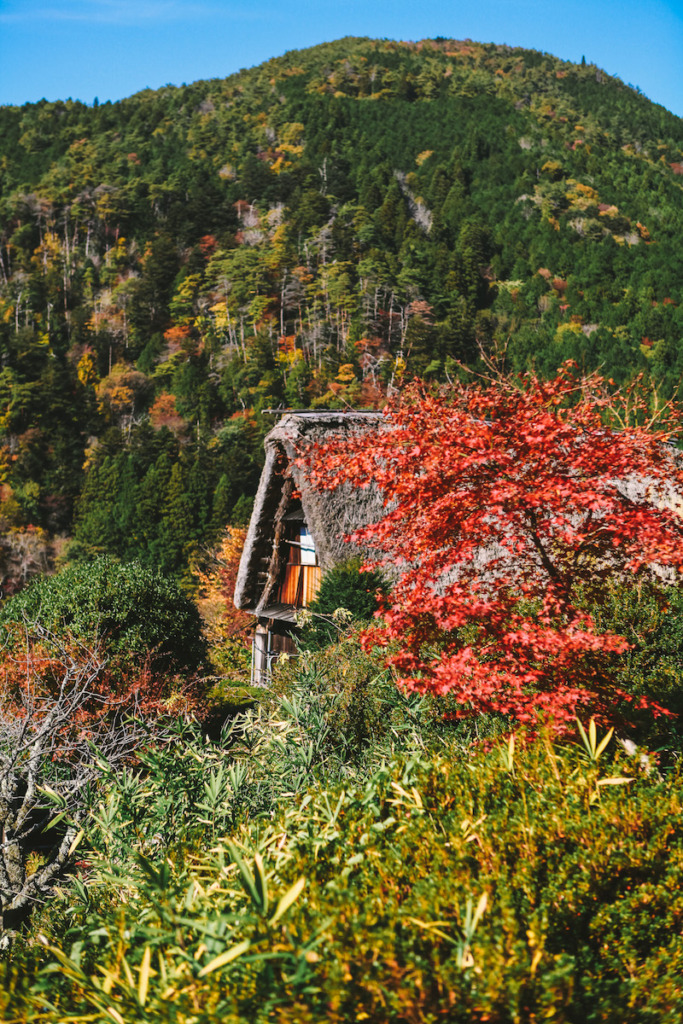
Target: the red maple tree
(509, 506)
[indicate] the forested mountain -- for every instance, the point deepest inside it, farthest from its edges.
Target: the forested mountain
(308, 232)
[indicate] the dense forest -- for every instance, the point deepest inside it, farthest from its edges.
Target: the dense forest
(311, 232)
(459, 798)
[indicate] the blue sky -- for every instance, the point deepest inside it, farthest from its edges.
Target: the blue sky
(111, 48)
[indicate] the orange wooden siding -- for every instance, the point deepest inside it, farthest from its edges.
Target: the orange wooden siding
(313, 574)
(300, 584)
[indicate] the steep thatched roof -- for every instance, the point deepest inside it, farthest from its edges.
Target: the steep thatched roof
(329, 515)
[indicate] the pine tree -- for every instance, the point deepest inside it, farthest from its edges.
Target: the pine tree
(126, 509)
(97, 528)
(176, 529)
(221, 506)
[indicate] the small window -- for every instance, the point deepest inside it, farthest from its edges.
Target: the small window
(302, 574)
(308, 556)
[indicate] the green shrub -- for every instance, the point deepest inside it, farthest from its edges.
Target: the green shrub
(134, 613)
(366, 717)
(224, 701)
(650, 617)
(344, 588)
(507, 885)
(340, 855)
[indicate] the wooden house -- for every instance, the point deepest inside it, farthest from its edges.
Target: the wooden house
(297, 532)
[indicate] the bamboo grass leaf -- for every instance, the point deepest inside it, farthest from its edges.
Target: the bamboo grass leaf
(145, 970)
(225, 958)
(287, 900)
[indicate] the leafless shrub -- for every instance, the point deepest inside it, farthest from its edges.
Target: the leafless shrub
(58, 725)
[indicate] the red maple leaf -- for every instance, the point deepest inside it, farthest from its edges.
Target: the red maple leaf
(506, 503)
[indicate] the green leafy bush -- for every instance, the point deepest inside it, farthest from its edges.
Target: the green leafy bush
(650, 617)
(346, 594)
(290, 872)
(505, 885)
(134, 613)
(224, 700)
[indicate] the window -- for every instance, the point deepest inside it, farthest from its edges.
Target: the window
(308, 555)
(302, 573)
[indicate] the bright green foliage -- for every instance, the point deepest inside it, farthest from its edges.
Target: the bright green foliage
(131, 613)
(345, 586)
(345, 594)
(508, 884)
(349, 708)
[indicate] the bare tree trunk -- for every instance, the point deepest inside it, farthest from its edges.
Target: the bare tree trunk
(404, 324)
(244, 347)
(282, 304)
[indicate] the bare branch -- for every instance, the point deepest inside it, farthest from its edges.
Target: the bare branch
(57, 722)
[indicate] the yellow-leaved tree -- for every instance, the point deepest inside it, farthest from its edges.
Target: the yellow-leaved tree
(227, 629)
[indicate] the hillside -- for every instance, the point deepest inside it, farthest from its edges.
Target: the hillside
(308, 232)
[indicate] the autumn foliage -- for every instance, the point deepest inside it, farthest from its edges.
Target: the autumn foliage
(47, 673)
(509, 507)
(227, 629)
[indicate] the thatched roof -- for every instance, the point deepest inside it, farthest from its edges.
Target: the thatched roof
(329, 515)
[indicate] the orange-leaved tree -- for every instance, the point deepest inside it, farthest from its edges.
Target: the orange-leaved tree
(227, 629)
(509, 506)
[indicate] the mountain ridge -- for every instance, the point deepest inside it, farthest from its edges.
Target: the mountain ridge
(311, 231)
